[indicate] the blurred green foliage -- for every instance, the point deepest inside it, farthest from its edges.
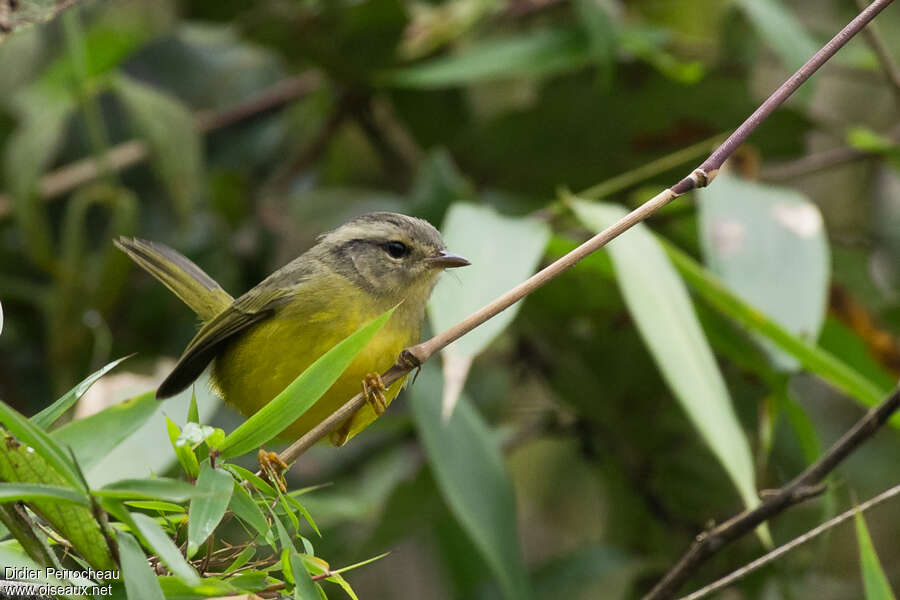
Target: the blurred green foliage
(238, 131)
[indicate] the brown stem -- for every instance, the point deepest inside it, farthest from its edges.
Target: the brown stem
(806, 485)
(785, 548)
(416, 355)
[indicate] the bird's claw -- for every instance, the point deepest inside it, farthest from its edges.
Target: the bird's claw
(272, 468)
(374, 389)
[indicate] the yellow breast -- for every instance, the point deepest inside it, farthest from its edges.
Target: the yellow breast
(258, 365)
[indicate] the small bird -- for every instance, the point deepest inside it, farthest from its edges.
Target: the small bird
(259, 342)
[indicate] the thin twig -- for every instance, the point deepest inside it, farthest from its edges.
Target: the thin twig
(876, 42)
(784, 549)
(804, 486)
(416, 355)
(132, 152)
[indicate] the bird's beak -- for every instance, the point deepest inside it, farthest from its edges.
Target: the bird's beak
(447, 260)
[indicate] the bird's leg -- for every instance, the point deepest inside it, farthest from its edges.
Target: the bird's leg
(373, 389)
(272, 468)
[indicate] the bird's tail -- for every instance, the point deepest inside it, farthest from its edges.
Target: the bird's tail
(185, 279)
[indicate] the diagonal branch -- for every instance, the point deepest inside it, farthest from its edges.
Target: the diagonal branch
(806, 485)
(785, 548)
(702, 176)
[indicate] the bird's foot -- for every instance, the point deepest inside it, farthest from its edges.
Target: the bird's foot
(374, 389)
(272, 468)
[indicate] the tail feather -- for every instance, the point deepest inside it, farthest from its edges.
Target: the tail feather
(185, 279)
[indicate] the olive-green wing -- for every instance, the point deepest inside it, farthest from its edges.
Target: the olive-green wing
(185, 279)
(256, 305)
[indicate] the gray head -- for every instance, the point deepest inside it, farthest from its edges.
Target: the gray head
(390, 255)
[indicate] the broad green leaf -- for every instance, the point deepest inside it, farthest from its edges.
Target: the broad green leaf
(38, 442)
(159, 542)
(504, 251)
(20, 463)
(93, 438)
(768, 245)
(158, 488)
(532, 53)
(300, 394)
(813, 358)
(140, 580)
(214, 487)
(244, 506)
(471, 474)
(661, 307)
(168, 128)
(49, 415)
(26, 492)
(875, 582)
(778, 27)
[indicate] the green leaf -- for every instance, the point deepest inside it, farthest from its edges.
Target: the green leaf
(159, 542)
(13, 492)
(300, 394)
(21, 464)
(168, 128)
(246, 475)
(814, 359)
(470, 472)
(214, 487)
(661, 307)
(304, 587)
(504, 251)
(246, 509)
(29, 434)
(193, 415)
(158, 488)
(155, 505)
(875, 582)
(140, 580)
(533, 53)
(96, 436)
(49, 415)
(186, 457)
(768, 245)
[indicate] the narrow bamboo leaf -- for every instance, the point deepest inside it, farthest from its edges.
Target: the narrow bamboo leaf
(140, 580)
(529, 54)
(185, 455)
(244, 506)
(159, 542)
(193, 415)
(768, 245)
(211, 587)
(168, 127)
(504, 251)
(155, 505)
(247, 475)
(158, 488)
(96, 436)
(470, 472)
(214, 487)
(300, 394)
(304, 587)
(665, 317)
(813, 358)
(875, 582)
(25, 492)
(49, 415)
(33, 437)
(242, 559)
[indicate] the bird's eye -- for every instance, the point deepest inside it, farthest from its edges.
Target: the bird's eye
(396, 249)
